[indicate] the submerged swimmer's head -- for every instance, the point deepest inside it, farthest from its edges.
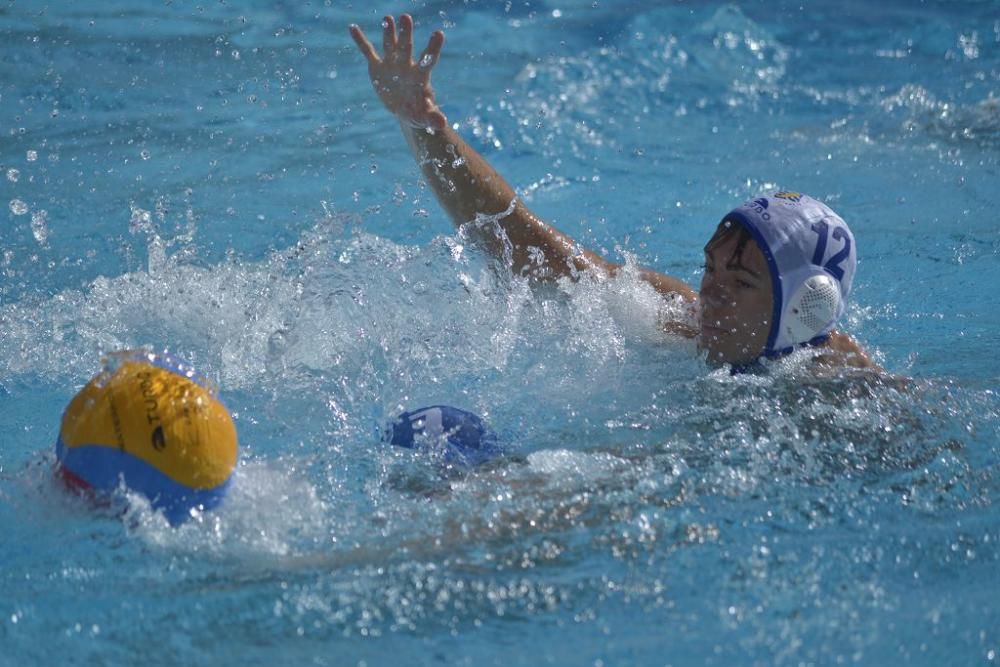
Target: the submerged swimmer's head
(778, 271)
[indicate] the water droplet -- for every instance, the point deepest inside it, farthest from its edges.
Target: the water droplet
(374, 168)
(40, 226)
(18, 207)
(141, 220)
(31, 156)
(398, 194)
(13, 175)
(144, 154)
(425, 62)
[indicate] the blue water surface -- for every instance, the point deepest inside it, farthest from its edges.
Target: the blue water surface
(219, 179)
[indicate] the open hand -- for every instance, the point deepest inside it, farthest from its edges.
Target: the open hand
(404, 86)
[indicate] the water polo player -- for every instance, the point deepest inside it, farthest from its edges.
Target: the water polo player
(778, 269)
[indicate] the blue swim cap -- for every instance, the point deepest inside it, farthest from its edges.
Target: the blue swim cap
(461, 437)
(811, 256)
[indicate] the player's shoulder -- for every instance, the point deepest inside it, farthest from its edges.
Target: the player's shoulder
(840, 349)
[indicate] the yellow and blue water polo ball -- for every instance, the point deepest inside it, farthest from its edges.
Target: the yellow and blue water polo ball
(152, 424)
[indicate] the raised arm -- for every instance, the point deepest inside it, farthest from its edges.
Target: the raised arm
(467, 187)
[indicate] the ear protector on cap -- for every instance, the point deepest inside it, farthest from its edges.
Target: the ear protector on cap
(812, 308)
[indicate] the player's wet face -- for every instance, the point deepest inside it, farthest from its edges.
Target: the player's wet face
(736, 298)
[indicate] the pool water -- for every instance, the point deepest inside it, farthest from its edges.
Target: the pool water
(220, 180)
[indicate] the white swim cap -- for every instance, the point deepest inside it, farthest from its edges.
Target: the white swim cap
(811, 256)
